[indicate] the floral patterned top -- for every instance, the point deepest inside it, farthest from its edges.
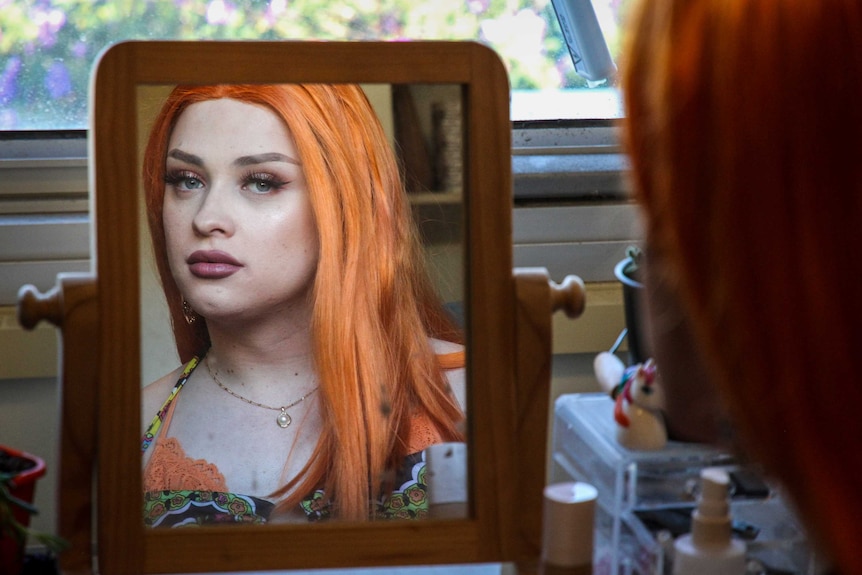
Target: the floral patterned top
(170, 502)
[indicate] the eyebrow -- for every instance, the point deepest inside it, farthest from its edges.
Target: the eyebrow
(264, 158)
(186, 157)
(240, 162)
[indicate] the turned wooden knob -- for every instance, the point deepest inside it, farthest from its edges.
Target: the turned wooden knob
(569, 296)
(34, 306)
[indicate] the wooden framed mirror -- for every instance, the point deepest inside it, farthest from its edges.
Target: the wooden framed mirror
(124, 77)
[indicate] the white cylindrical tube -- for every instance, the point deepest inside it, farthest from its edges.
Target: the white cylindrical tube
(447, 480)
(567, 525)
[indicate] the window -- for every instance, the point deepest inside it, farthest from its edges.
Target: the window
(47, 47)
(44, 223)
(564, 133)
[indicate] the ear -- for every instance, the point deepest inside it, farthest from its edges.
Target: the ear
(649, 371)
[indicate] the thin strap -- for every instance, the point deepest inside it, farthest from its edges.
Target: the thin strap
(454, 360)
(164, 414)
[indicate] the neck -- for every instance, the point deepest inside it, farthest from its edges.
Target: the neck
(269, 362)
(264, 335)
(263, 338)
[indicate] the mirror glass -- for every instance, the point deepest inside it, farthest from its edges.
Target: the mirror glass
(424, 131)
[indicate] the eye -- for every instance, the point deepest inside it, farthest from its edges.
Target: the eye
(191, 183)
(262, 183)
(184, 180)
(261, 186)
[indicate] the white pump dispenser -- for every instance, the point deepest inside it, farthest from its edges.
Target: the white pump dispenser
(709, 549)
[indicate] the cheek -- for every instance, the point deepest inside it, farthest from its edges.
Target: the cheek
(691, 401)
(312, 233)
(298, 234)
(173, 236)
(313, 245)
(170, 235)
(301, 246)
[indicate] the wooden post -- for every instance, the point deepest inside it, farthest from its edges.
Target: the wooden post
(537, 298)
(71, 306)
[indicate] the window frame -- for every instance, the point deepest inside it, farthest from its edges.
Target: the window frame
(44, 209)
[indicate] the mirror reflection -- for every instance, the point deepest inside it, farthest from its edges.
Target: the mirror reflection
(301, 289)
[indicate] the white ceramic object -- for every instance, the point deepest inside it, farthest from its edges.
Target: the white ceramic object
(639, 401)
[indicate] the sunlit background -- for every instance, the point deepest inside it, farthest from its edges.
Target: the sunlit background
(47, 47)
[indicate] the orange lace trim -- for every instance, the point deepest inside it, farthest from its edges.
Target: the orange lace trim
(422, 434)
(170, 469)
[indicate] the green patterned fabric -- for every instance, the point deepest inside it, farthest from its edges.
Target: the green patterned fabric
(184, 508)
(187, 508)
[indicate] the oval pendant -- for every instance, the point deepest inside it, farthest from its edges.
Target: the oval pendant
(283, 419)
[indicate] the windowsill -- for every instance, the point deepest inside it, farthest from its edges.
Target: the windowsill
(581, 104)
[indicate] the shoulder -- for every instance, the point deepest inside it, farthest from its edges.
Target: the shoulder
(456, 376)
(445, 347)
(153, 395)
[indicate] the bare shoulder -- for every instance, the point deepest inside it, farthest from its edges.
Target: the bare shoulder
(154, 395)
(457, 377)
(441, 346)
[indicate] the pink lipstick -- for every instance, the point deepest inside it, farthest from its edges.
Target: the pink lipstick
(212, 264)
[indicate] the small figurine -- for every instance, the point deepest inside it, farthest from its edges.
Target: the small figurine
(638, 401)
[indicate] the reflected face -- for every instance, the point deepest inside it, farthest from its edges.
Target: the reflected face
(241, 235)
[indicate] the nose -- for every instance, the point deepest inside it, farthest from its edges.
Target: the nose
(214, 215)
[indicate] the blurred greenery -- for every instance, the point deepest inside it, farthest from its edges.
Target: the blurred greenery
(47, 47)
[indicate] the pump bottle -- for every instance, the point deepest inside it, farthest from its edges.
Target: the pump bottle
(709, 549)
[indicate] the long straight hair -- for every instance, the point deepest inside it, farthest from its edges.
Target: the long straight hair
(374, 308)
(743, 124)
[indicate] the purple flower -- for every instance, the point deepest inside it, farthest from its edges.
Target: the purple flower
(9, 80)
(390, 25)
(274, 11)
(79, 49)
(58, 82)
(49, 24)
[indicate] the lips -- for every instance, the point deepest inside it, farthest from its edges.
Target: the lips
(212, 264)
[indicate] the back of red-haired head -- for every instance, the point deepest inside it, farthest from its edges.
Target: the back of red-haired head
(743, 123)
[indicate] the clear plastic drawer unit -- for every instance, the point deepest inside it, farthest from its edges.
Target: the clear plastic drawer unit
(646, 497)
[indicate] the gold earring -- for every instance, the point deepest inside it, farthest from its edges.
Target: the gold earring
(188, 313)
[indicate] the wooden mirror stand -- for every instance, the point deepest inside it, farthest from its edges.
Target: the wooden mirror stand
(71, 306)
(507, 316)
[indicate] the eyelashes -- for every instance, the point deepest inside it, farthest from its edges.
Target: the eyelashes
(257, 183)
(262, 182)
(184, 179)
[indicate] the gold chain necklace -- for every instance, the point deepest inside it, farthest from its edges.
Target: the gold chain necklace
(283, 419)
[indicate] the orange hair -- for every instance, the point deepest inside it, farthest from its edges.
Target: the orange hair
(374, 306)
(743, 124)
